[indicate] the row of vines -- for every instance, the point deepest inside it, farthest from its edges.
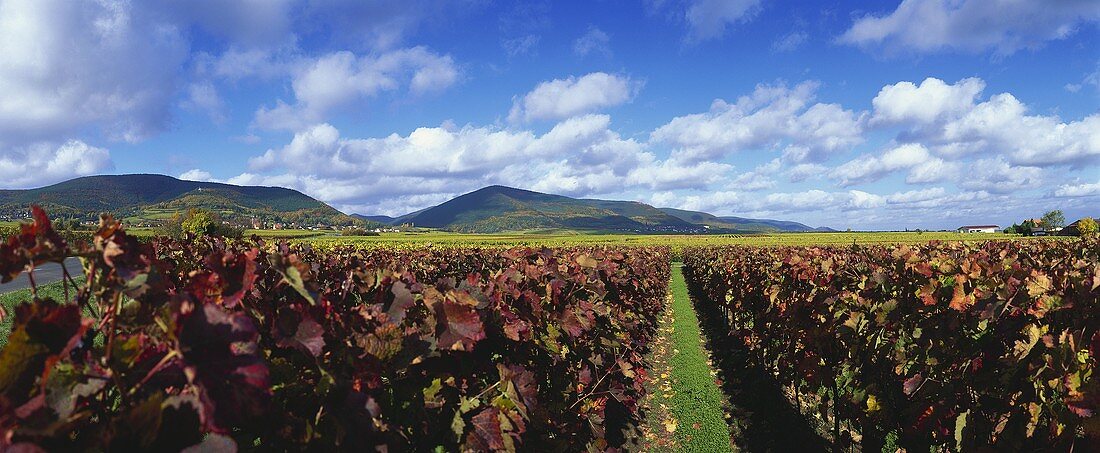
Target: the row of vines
(169, 345)
(943, 345)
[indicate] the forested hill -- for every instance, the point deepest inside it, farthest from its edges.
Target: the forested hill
(149, 197)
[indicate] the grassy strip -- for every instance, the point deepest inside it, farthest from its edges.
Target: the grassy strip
(8, 302)
(656, 406)
(684, 384)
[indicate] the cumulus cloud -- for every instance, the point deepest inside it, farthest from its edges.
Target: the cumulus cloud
(771, 117)
(340, 78)
(197, 175)
(951, 121)
(579, 156)
(777, 202)
(804, 171)
(998, 176)
(849, 208)
(1078, 190)
(61, 71)
(759, 178)
(672, 174)
(563, 98)
(1003, 26)
(933, 100)
(922, 165)
(44, 163)
(594, 41)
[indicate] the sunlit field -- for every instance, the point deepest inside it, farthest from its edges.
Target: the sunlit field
(554, 239)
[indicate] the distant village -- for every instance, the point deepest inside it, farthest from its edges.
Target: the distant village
(1050, 224)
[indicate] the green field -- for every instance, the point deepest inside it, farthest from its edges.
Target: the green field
(8, 302)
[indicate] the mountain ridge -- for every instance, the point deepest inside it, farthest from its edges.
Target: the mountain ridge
(497, 208)
(142, 197)
(148, 199)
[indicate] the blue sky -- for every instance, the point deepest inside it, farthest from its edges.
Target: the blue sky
(868, 115)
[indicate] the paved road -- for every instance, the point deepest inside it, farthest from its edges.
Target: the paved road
(47, 273)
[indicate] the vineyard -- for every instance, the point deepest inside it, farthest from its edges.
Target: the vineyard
(273, 344)
(942, 345)
(264, 346)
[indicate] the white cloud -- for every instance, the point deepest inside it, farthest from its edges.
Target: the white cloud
(933, 100)
(1003, 26)
(814, 199)
(341, 78)
(1078, 190)
(709, 202)
(752, 181)
(237, 63)
(998, 176)
(594, 41)
(859, 209)
(922, 165)
(579, 156)
(197, 175)
(72, 65)
(671, 175)
(563, 98)
(773, 116)
(759, 178)
(951, 122)
(44, 163)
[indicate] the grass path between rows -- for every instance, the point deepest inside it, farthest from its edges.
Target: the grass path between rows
(686, 410)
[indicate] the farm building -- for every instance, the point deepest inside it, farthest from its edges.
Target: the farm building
(979, 229)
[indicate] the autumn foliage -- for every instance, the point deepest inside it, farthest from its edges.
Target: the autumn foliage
(946, 344)
(165, 345)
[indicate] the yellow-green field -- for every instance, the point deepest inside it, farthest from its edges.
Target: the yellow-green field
(778, 239)
(565, 238)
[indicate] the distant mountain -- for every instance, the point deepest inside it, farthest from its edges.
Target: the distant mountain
(498, 208)
(781, 225)
(149, 198)
(383, 219)
(740, 223)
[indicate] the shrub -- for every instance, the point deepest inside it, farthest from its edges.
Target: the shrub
(198, 222)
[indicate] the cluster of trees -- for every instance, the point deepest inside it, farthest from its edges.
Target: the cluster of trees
(199, 222)
(1052, 221)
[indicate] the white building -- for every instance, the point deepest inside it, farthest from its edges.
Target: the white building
(979, 229)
